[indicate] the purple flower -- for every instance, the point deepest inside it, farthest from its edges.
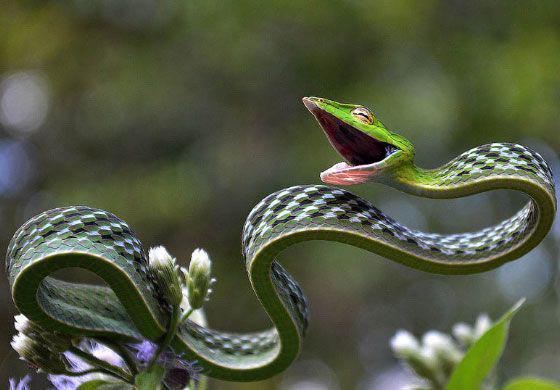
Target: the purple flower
(100, 351)
(178, 370)
(144, 351)
(22, 384)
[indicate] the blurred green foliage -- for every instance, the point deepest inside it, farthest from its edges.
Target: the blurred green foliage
(179, 116)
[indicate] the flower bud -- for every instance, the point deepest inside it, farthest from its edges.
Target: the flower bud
(23, 325)
(199, 278)
(22, 345)
(54, 341)
(421, 359)
(38, 354)
(443, 346)
(483, 323)
(404, 344)
(163, 267)
(463, 333)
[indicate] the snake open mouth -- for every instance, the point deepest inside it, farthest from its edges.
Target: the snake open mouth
(361, 151)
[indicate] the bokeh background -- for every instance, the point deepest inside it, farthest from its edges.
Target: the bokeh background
(179, 116)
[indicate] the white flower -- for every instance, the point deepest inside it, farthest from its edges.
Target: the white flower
(100, 351)
(159, 257)
(429, 358)
(200, 260)
(199, 278)
(403, 343)
(166, 272)
(55, 342)
(442, 345)
(437, 340)
(483, 323)
(21, 323)
(106, 354)
(38, 353)
(463, 333)
(425, 363)
(21, 344)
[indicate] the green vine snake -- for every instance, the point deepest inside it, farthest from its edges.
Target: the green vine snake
(129, 307)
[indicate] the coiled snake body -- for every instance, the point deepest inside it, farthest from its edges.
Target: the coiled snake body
(130, 306)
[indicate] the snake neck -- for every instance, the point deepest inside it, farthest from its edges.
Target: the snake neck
(487, 167)
(418, 181)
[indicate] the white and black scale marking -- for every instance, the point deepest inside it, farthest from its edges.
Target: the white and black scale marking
(317, 204)
(87, 225)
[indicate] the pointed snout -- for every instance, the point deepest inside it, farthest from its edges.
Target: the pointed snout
(310, 102)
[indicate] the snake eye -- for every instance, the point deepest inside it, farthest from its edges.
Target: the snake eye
(363, 115)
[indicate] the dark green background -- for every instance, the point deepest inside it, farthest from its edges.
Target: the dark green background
(179, 116)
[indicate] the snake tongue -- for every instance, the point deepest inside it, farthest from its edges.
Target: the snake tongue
(345, 174)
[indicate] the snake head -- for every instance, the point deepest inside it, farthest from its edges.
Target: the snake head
(370, 150)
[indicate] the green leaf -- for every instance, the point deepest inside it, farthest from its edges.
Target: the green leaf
(99, 384)
(150, 380)
(483, 355)
(531, 384)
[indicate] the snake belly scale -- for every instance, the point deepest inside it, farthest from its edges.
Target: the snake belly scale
(130, 305)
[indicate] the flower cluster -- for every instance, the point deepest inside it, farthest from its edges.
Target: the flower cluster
(41, 349)
(71, 362)
(435, 357)
(67, 370)
(187, 289)
(76, 364)
(179, 372)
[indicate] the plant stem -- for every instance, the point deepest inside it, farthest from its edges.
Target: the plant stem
(89, 358)
(123, 353)
(186, 315)
(173, 324)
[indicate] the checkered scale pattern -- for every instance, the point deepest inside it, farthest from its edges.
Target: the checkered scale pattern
(314, 207)
(498, 158)
(306, 210)
(230, 344)
(93, 231)
(303, 207)
(87, 230)
(260, 342)
(82, 223)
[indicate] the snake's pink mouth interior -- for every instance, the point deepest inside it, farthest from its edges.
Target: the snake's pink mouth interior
(355, 146)
(361, 151)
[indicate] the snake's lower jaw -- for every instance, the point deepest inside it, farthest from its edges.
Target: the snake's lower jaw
(345, 174)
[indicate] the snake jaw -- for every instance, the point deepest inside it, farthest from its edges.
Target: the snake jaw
(365, 155)
(344, 174)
